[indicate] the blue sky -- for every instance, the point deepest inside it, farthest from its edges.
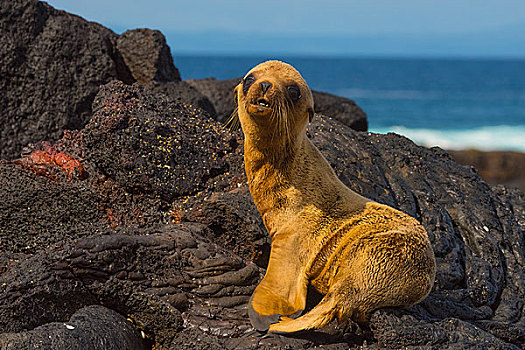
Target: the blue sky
(457, 28)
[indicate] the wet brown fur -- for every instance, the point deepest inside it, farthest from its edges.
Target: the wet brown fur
(360, 254)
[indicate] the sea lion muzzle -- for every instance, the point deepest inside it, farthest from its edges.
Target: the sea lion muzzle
(265, 86)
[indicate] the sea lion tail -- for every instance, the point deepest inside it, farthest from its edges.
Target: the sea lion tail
(316, 318)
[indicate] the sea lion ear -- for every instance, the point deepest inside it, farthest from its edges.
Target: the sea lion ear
(310, 115)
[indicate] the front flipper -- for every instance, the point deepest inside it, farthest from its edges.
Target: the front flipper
(262, 322)
(282, 291)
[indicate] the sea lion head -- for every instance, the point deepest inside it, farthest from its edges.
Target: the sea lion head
(274, 100)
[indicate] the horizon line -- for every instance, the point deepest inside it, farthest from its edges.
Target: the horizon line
(373, 56)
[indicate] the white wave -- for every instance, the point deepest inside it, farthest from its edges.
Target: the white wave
(486, 138)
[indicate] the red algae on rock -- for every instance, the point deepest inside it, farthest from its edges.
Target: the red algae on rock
(39, 160)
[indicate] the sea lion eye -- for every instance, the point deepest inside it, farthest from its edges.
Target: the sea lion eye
(294, 92)
(248, 81)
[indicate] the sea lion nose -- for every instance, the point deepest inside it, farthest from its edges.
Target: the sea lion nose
(265, 86)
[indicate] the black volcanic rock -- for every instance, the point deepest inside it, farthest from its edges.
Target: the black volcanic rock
(93, 327)
(147, 56)
(149, 59)
(175, 159)
(184, 93)
(140, 154)
(152, 144)
(342, 109)
(51, 65)
(186, 284)
(151, 276)
(37, 211)
(220, 93)
(233, 221)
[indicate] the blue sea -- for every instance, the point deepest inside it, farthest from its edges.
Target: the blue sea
(451, 103)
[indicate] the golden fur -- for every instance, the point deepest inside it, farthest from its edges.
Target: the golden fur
(360, 254)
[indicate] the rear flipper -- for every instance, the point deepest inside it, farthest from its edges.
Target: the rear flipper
(316, 318)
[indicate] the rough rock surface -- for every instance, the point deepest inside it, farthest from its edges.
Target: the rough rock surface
(186, 284)
(93, 327)
(36, 211)
(166, 153)
(147, 56)
(52, 64)
(184, 93)
(149, 59)
(220, 93)
(342, 109)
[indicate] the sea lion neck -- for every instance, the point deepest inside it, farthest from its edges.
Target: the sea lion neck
(271, 146)
(278, 155)
(274, 180)
(282, 184)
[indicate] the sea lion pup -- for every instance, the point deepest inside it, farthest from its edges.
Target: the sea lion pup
(360, 254)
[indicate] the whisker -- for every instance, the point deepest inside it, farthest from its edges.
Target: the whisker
(290, 107)
(285, 127)
(286, 124)
(274, 117)
(233, 121)
(280, 125)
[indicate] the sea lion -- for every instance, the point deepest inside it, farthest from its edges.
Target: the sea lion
(361, 255)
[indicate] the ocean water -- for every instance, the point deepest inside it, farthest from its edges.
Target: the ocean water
(454, 104)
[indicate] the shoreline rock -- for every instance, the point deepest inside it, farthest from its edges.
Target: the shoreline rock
(147, 55)
(496, 167)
